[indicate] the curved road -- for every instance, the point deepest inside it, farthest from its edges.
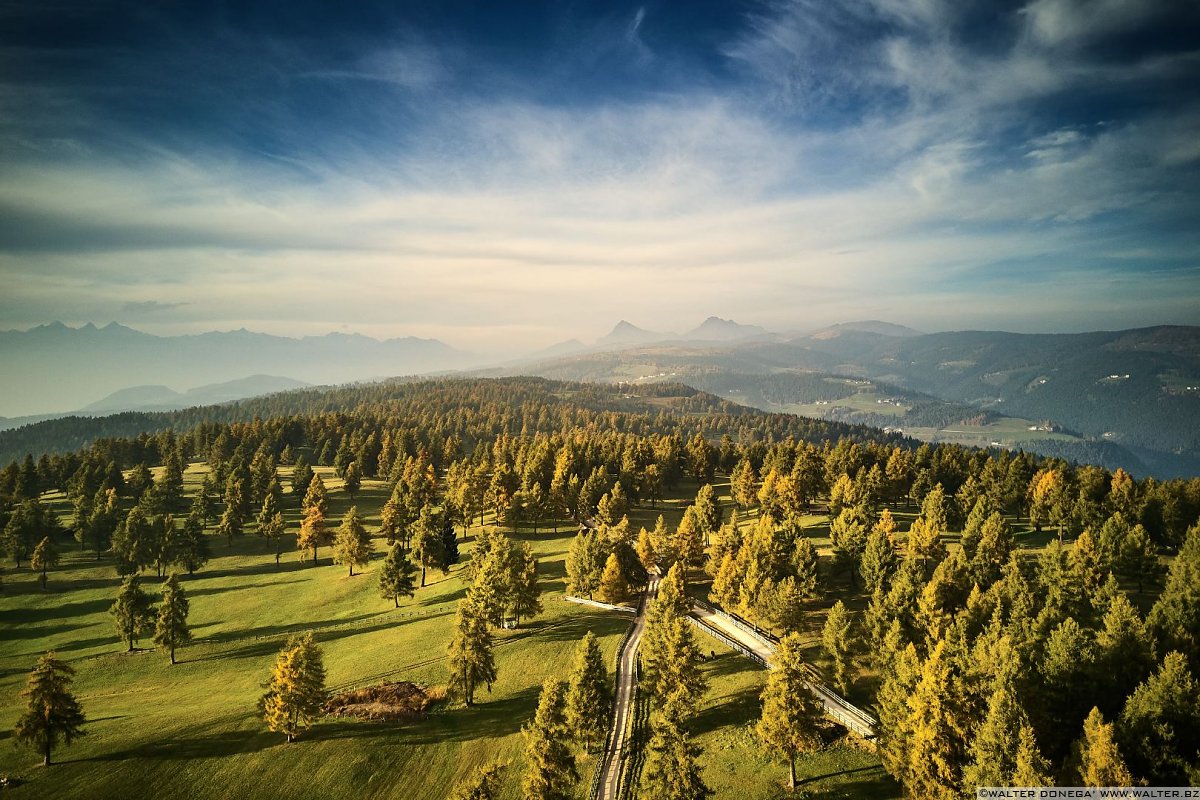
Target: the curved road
(614, 756)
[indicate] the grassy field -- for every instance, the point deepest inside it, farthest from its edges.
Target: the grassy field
(192, 730)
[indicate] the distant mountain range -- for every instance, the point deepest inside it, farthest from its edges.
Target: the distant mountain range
(55, 368)
(1121, 398)
(713, 329)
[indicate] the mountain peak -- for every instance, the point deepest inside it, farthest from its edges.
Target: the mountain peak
(625, 332)
(716, 328)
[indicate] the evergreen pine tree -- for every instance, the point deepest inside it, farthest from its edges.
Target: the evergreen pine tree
(791, 715)
(996, 745)
(352, 545)
(171, 629)
(193, 552)
(314, 531)
(526, 598)
(296, 689)
(589, 699)
(1031, 769)
(878, 559)
(645, 551)
(52, 713)
(352, 480)
(613, 587)
(485, 784)
(131, 612)
(44, 558)
(932, 769)
(428, 545)
(551, 772)
(1159, 728)
(397, 576)
(838, 643)
(585, 564)
(471, 662)
(1099, 761)
(671, 771)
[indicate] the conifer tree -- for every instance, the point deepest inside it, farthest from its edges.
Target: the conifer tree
(671, 771)
(727, 583)
(791, 715)
(352, 545)
(193, 552)
(471, 662)
(1125, 654)
(296, 689)
(45, 557)
(397, 576)
(1159, 728)
(996, 745)
(585, 564)
(428, 545)
(708, 511)
(230, 524)
(1138, 558)
(932, 769)
(1100, 763)
(1174, 620)
(131, 612)
(485, 784)
(171, 629)
(744, 484)
(526, 597)
(352, 480)
(273, 529)
(1031, 768)
(314, 532)
(613, 587)
(838, 643)
(805, 568)
(992, 551)
(52, 714)
(848, 536)
(589, 699)
(645, 551)
(878, 559)
(316, 496)
(901, 675)
(551, 772)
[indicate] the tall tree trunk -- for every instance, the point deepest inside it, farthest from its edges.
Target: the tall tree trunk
(314, 563)
(423, 585)
(46, 757)
(172, 654)
(792, 772)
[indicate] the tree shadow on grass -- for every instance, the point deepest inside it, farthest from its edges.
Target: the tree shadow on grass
(869, 781)
(191, 747)
(221, 589)
(485, 720)
(736, 709)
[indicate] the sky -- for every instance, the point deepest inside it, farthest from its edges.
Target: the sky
(504, 176)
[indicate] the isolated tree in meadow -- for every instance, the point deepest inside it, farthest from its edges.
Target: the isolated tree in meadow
(397, 576)
(171, 629)
(838, 642)
(302, 477)
(52, 714)
(791, 715)
(485, 784)
(551, 773)
(428, 543)
(314, 532)
(525, 599)
(230, 524)
(131, 612)
(589, 699)
(273, 529)
(352, 545)
(192, 553)
(1099, 761)
(316, 496)
(296, 688)
(45, 557)
(352, 480)
(613, 587)
(471, 661)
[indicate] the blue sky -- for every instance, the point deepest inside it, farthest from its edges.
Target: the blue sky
(507, 175)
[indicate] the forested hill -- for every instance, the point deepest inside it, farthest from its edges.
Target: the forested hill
(470, 409)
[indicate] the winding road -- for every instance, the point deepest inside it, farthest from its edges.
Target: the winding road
(614, 756)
